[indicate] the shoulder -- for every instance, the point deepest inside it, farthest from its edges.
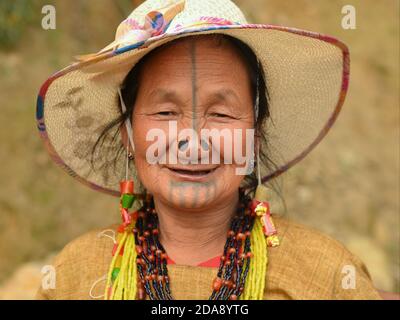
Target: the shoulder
(87, 246)
(306, 239)
(313, 265)
(81, 263)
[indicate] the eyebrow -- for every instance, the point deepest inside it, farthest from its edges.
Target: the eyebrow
(225, 95)
(164, 95)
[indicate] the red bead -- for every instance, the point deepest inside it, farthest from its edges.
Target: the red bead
(153, 277)
(141, 294)
(223, 258)
(247, 233)
(126, 186)
(233, 297)
(164, 256)
(146, 233)
(249, 255)
(227, 262)
(231, 250)
(231, 233)
(114, 248)
(155, 231)
(147, 277)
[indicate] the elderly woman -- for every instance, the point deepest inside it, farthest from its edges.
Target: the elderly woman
(161, 118)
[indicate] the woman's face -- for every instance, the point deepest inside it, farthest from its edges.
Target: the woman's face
(193, 84)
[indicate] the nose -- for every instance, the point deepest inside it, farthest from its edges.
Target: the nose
(193, 149)
(185, 143)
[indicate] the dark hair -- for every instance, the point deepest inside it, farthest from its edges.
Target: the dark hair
(130, 88)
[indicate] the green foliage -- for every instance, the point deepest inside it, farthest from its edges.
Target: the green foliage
(15, 16)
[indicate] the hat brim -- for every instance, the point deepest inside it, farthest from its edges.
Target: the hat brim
(307, 76)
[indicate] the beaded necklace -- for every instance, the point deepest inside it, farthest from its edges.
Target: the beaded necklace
(139, 264)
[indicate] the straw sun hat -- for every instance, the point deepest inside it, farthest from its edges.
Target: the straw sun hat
(306, 74)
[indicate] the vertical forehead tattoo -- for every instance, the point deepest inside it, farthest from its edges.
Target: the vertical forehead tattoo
(194, 83)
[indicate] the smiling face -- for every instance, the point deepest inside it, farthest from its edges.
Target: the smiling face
(194, 84)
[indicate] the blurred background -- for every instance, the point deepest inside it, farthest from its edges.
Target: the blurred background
(348, 187)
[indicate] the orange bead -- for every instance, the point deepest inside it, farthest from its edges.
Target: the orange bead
(233, 297)
(217, 283)
(240, 236)
(139, 249)
(231, 233)
(231, 250)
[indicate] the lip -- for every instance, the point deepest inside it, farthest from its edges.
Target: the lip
(192, 173)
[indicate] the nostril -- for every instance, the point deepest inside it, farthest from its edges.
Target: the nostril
(204, 145)
(183, 144)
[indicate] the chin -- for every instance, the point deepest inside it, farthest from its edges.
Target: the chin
(187, 194)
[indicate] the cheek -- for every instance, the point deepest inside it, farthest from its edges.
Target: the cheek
(239, 145)
(147, 173)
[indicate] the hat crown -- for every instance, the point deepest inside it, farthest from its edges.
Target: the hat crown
(193, 10)
(160, 16)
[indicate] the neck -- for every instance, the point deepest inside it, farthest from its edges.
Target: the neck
(192, 236)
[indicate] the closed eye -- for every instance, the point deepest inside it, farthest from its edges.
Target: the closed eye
(221, 115)
(166, 113)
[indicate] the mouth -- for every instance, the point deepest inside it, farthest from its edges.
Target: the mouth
(192, 173)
